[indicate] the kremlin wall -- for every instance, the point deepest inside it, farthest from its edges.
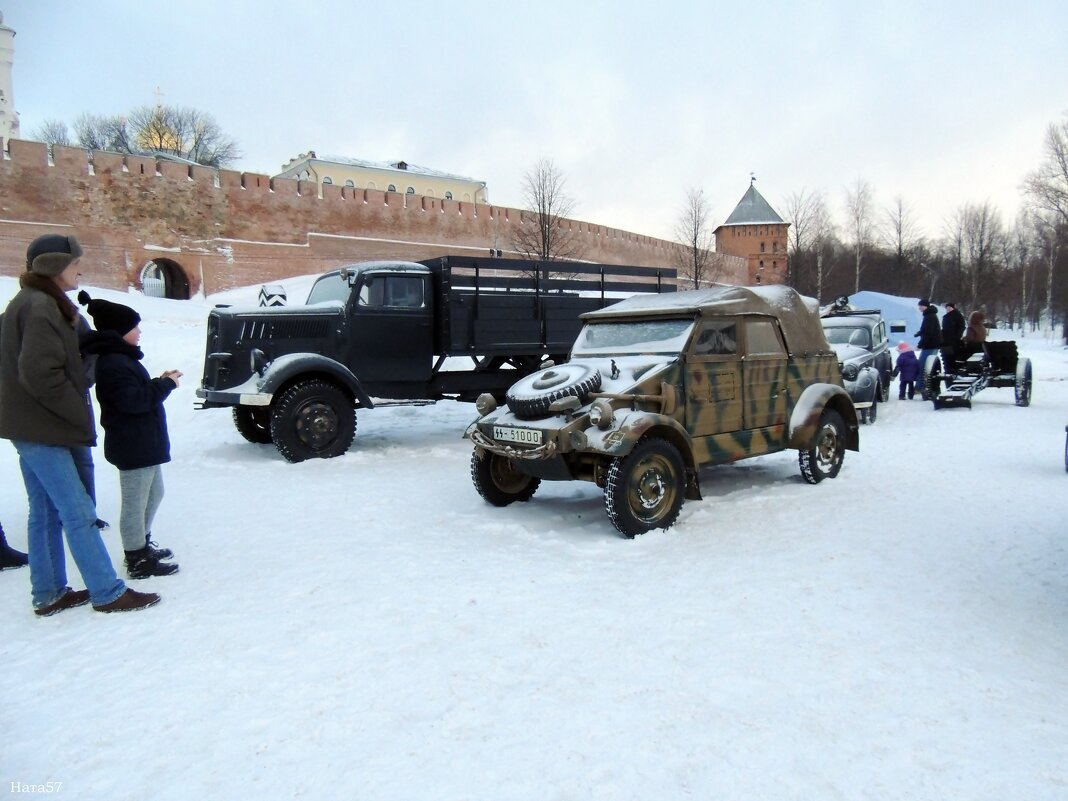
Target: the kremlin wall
(209, 230)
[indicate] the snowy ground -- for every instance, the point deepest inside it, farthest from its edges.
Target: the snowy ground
(367, 628)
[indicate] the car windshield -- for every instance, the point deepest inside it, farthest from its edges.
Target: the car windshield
(841, 335)
(639, 336)
(329, 288)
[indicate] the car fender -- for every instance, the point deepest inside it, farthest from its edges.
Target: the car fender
(805, 418)
(285, 368)
(630, 427)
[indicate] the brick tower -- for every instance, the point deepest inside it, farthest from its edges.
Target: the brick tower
(757, 233)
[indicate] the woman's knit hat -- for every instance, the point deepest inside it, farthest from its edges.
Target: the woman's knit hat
(108, 316)
(51, 254)
(903, 346)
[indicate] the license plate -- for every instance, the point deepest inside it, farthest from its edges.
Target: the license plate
(522, 436)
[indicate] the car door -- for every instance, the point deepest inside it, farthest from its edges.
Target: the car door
(764, 374)
(713, 380)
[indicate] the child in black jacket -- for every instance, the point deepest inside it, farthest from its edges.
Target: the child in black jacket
(135, 429)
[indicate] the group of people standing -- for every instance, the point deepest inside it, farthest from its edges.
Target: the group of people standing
(49, 359)
(946, 338)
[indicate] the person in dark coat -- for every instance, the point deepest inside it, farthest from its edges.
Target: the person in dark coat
(135, 429)
(907, 371)
(930, 334)
(952, 334)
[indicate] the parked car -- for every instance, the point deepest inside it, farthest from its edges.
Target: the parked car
(859, 338)
(657, 387)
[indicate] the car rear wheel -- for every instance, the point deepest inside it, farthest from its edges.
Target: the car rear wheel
(824, 458)
(644, 489)
(498, 480)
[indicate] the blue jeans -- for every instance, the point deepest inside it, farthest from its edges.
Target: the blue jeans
(59, 501)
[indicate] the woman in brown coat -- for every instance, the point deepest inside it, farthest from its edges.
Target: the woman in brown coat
(976, 330)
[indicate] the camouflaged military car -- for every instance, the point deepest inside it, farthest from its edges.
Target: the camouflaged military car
(657, 387)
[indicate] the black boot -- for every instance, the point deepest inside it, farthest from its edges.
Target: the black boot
(143, 563)
(9, 557)
(159, 553)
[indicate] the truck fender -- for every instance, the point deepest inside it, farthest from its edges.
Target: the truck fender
(629, 430)
(284, 368)
(805, 418)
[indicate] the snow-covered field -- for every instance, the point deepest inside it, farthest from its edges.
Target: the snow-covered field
(368, 628)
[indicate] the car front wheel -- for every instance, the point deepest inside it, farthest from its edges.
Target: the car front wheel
(644, 489)
(498, 481)
(824, 458)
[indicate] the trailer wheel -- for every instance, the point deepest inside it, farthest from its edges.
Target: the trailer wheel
(531, 396)
(1023, 382)
(824, 458)
(932, 378)
(253, 423)
(644, 489)
(313, 419)
(498, 481)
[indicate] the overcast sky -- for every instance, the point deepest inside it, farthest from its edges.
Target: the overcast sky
(940, 103)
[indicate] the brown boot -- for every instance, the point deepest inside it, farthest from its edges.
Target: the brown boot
(129, 601)
(68, 600)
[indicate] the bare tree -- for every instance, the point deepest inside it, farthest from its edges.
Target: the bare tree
(901, 232)
(822, 236)
(52, 133)
(185, 132)
(97, 132)
(1047, 187)
(545, 233)
(697, 262)
(800, 211)
(983, 234)
(859, 208)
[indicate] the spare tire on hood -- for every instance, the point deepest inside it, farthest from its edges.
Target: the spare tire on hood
(531, 396)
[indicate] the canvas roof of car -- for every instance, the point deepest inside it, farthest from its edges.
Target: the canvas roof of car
(798, 315)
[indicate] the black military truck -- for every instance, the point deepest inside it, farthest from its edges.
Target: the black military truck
(392, 331)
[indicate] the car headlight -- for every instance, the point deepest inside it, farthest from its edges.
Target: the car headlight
(850, 372)
(601, 414)
(485, 403)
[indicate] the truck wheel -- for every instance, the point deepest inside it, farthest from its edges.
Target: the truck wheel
(644, 489)
(253, 423)
(1023, 382)
(531, 396)
(824, 458)
(313, 419)
(498, 481)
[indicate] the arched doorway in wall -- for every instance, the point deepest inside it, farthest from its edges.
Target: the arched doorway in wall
(163, 278)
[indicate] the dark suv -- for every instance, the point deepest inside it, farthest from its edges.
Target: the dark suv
(859, 338)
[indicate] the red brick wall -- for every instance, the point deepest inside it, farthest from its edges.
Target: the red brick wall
(227, 229)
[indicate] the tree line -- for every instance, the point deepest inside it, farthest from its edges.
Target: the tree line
(188, 133)
(1016, 271)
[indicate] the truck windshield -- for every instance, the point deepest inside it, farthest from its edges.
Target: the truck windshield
(639, 336)
(329, 288)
